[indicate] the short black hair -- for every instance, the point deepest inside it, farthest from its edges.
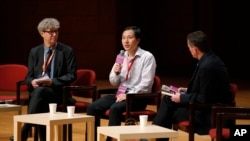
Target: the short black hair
(136, 30)
(198, 39)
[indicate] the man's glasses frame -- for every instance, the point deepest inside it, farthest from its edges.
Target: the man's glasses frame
(52, 32)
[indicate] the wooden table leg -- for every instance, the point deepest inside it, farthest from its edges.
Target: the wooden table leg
(58, 133)
(49, 133)
(90, 131)
(17, 131)
(99, 137)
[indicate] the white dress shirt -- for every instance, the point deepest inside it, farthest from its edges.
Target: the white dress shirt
(141, 75)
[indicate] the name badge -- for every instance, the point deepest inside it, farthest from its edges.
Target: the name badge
(121, 90)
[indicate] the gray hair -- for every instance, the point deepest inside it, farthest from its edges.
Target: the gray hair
(48, 23)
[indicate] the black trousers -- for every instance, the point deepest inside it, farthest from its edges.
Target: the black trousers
(39, 103)
(169, 113)
(99, 106)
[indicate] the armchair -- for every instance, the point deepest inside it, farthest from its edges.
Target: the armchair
(83, 87)
(188, 126)
(155, 97)
(12, 76)
(81, 90)
(220, 114)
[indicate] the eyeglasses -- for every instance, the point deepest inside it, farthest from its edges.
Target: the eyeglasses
(52, 32)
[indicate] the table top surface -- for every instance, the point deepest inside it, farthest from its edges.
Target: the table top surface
(135, 131)
(49, 119)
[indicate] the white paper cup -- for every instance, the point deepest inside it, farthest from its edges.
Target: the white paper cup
(143, 120)
(52, 108)
(71, 111)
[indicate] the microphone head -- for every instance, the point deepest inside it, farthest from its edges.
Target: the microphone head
(120, 57)
(122, 52)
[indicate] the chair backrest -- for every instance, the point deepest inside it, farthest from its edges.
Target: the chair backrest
(10, 74)
(218, 108)
(85, 77)
(155, 89)
(157, 84)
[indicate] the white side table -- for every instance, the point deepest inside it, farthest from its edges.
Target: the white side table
(50, 121)
(121, 133)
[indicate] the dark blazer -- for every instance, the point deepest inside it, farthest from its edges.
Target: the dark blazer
(209, 84)
(64, 66)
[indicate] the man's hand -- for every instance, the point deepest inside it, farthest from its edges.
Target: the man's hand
(120, 97)
(176, 98)
(34, 84)
(45, 83)
(117, 68)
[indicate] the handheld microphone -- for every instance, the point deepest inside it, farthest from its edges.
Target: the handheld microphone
(120, 57)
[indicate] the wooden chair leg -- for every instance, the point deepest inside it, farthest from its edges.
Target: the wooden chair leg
(191, 137)
(69, 132)
(64, 132)
(36, 133)
(86, 133)
(30, 132)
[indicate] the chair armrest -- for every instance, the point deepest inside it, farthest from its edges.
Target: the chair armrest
(223, 113)
(202, 106)
(101, 92)
(130, 97)
(18, 90)
(68, 89)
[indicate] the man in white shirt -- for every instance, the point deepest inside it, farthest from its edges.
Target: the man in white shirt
(134, 75)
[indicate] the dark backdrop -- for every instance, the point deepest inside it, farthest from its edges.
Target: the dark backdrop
(93, 28)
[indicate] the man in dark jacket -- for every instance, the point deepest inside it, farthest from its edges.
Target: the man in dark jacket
(209, 84)
(52, 62)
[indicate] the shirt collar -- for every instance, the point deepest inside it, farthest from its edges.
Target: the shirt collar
(138, 52)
